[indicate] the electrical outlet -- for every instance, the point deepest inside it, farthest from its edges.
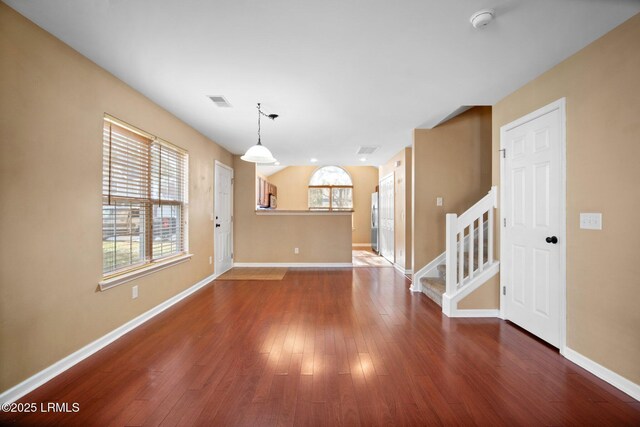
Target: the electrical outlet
(438, 201)
(591, 221)
(296, 251)
(210, 260)
(134, 292)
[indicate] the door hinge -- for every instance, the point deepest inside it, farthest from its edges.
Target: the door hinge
(504, 222)
(504, 153)
(504, 290)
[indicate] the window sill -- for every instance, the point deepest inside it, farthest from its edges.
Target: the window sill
(135, 274)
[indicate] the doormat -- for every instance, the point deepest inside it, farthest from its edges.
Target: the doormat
(254, 273)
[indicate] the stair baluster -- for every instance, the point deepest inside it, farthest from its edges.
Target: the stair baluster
(481, 242)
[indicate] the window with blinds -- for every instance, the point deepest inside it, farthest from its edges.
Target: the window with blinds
(144, 198)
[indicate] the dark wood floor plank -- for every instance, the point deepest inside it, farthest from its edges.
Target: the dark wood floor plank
(326, 347)
(286, 414)
(348, 402)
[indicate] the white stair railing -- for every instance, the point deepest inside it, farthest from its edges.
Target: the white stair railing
(461, 228)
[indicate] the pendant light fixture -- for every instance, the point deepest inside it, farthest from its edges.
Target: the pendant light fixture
(259, 153)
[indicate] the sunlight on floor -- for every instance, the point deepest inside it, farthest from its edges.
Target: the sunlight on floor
(367, 258)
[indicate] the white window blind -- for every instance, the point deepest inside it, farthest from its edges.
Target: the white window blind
(144, 198)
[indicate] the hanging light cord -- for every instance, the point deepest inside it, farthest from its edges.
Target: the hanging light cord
(259, 114)
(269, 116)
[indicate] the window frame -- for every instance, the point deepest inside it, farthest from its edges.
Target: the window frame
(330, 187)
(148, 204)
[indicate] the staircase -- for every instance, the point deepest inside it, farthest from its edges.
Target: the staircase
(435, 287)
(467, 262)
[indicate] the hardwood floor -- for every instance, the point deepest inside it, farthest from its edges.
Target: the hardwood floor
(333, 347)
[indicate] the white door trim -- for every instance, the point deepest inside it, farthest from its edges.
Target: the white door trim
(216, 164)
(559, 105)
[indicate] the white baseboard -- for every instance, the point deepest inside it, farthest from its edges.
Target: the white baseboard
(475, 313)
(361, 245)
(616, 380)
(401, 269)
(294, 264)
(35, 381)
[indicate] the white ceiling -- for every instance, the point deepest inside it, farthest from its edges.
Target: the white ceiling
(340, 73)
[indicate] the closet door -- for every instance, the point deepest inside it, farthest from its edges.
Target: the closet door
(386, 212)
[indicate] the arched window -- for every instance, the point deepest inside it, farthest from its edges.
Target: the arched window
(330, 188)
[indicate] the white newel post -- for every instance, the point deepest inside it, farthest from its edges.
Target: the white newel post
(451, 261)
(452, 253)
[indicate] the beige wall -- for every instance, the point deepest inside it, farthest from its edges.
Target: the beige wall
(272, 238)
(402, 201)
(51, 111)
(452, 161)
(293, 181)
(601, 84)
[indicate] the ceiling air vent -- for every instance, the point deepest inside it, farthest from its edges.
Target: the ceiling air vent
(220, 101)
(367, 149)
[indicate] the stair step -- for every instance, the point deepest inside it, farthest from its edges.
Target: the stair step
(442, 268)
(434, 288)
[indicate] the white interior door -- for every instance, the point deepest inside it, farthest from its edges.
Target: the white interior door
(533, 238)
(386, 214)
(223, 223)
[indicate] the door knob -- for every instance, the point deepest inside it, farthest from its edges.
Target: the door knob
(552, 239)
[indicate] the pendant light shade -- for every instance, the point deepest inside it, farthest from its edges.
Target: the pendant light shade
(259, 153)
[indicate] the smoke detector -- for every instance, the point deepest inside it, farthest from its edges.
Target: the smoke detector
(481, 18)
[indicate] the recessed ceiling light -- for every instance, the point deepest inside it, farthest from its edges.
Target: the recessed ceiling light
(363, 159)
(313, 160)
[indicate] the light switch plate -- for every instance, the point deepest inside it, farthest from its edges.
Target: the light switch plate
(134, 292)
(438, 201)
(591, 220)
